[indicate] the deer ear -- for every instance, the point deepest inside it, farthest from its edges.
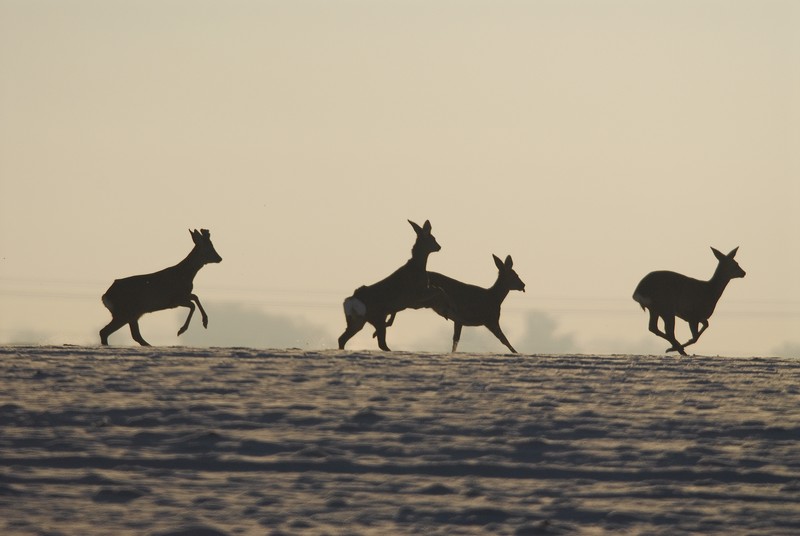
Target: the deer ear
(509, 262)
(498, 262)
(718, 254)
(732, 254)
(417, 228)
(427, 226)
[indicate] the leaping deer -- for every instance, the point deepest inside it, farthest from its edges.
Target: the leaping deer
(669, 294)
(129, 298)
(406, 287)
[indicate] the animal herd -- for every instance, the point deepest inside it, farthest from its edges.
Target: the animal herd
(666, 295)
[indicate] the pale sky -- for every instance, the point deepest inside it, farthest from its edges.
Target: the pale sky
(594, 141)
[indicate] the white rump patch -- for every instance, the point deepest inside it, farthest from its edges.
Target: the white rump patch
(354, 307)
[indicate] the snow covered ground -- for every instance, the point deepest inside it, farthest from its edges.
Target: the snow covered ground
(182, 441)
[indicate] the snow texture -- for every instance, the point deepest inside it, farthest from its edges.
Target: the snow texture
(222, 442)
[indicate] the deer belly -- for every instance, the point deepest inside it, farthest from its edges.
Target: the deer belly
(693, 314)
(472, 316)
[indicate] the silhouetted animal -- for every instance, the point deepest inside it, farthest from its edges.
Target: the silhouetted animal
(406, 287)
(129, 298)
(669, 294)
(470, 305)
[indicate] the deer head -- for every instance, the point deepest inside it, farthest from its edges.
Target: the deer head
(425, 243)
(727, 266)
(203, 246)
(508, 277)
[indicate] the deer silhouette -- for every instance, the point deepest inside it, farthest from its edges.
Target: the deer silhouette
(470, 305)
(407, 286)
(669, 294)
(129, 298)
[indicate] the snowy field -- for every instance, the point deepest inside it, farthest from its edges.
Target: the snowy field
(180, 441)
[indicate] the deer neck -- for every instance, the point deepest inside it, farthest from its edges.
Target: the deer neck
(718, 282)
(498, 291)
(419, 258)
(190, 265)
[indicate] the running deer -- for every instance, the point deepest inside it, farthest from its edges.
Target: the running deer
(668, 294)
(129, 298)
(477, 306)
(405, 287)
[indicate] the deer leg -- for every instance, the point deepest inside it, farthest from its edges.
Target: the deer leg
(112, 326)
(389, 322)
(185, 325)
(669, 330)
(653, 327)
(380, 332)
(136, 334)
(456, 335)
(202, 311)
(495, 329)
(695, 332)
(354, 325)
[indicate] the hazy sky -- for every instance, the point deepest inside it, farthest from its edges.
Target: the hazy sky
(594, 141)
